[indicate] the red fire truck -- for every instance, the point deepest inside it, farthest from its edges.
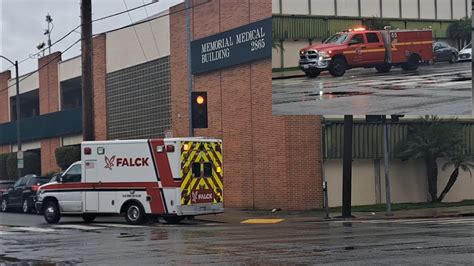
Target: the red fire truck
(172, 178)
(359, 47)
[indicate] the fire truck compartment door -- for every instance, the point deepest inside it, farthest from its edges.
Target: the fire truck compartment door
(91, 195)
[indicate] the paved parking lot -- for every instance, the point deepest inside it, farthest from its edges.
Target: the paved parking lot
(442, 89)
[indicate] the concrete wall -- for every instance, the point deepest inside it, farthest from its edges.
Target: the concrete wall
(26, 85)
(370, 8)
(408, 182)
(70, 68)
(123, 46)
(323, 7)
(291, 52)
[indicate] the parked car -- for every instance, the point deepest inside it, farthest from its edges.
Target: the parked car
(4, 185)
(22, 193)
(445, 53)
(466, 53)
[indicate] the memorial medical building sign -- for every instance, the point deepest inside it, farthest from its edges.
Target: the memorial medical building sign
(237, 46)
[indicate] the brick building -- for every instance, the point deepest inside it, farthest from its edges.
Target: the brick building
(269, 161)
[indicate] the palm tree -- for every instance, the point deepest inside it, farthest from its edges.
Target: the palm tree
(462, 162)
(430, 140)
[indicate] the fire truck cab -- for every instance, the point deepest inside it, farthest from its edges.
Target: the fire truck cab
(171, 178)
(359, 47)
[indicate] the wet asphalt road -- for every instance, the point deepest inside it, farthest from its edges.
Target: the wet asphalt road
(442, 89)
(26, 238)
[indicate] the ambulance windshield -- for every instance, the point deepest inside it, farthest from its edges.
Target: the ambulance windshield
(338, 38)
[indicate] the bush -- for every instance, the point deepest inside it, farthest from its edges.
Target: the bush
(3, 166)
(31, 164)
(67, 155)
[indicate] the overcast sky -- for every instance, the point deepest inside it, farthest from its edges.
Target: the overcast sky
(22, 24)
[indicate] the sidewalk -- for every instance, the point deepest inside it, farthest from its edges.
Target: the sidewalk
(288, 74)
(234, 216)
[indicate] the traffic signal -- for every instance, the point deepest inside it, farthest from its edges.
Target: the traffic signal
(199, 109)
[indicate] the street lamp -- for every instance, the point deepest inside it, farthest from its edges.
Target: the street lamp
(19, 152)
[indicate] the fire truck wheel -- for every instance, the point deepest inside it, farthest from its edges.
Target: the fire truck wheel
(173, 219)
(338, 67)
(313, 74)
(412, 63)
(453, 59)
(383, 68)
(134, 213)
(51, 212)
(88, 217)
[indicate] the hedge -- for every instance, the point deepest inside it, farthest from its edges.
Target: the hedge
(31, 165)
(67, 155)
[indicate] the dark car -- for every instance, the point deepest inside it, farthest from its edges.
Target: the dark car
(445, 53)
(22, 193)
(4, 185)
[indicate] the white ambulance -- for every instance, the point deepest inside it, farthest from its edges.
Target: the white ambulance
(172, 178)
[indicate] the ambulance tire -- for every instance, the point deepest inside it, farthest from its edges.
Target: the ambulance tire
(88, 217)
(412, 63)
(338, 67)
(51, 212)
(174, 219)
(383, 68)
(134, 213)
(313, 74)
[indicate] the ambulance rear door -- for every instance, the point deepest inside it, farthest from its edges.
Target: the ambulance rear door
(201, 173)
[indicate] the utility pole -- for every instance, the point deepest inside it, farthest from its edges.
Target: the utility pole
(19, 155)
(347, 167)
(49, 19)
(386, 140)
(87, 83)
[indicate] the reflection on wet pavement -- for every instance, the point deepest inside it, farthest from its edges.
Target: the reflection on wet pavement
(440, 89)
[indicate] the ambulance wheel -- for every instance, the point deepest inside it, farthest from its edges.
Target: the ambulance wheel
(134, 213)
(51, 212)
(383, 68)
(313, 74)
(88, 217)
(173, 219)
(338, 67)
(412, 63)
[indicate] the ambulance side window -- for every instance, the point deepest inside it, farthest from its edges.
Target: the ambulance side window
(372, 38)
(73, 175)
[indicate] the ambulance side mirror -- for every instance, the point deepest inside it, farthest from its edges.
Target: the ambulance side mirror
(60, 179)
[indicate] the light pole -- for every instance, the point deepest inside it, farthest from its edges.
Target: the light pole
(18, 139)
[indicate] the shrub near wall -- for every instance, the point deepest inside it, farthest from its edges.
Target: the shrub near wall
(3, 166)
(67, 155)
(31, 165)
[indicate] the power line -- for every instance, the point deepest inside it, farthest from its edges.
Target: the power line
(141, 22)
(31, 56)
(49, 62)
(152, 33)
(135, 30)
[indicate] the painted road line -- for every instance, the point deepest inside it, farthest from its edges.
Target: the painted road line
(262, 221)
(77, 227)
(118, 225)
(32, 229)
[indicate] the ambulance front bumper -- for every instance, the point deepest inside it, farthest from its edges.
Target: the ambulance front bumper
(201, 209)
